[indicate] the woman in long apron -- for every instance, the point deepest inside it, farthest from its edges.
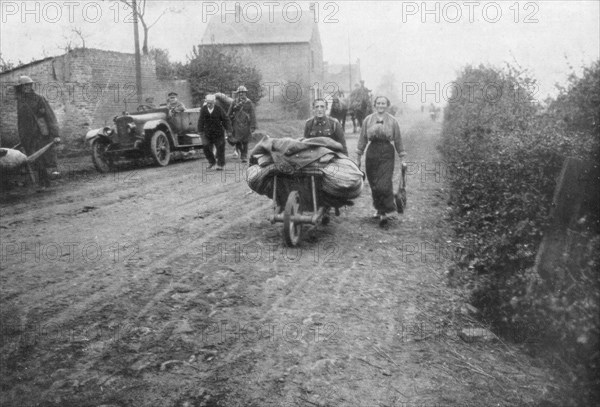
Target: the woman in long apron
(381, 132)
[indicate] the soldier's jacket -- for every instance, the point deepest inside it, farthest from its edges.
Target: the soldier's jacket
(37, 125)
(325, 127)
(176, 106)
(243, 119)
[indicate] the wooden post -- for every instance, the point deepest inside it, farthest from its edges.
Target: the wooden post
(138, 62)
(575, 196)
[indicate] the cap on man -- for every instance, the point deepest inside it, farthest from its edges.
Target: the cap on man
(23, 80)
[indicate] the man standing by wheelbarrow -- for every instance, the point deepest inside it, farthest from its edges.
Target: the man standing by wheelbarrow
(38, 127)
(243, 119)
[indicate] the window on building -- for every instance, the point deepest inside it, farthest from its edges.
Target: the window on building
(312, 60)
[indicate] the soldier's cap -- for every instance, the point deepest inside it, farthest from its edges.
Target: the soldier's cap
(172, 94)
(24, 79)
(241, 89)
(210, 98)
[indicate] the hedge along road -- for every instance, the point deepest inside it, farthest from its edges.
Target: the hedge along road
(168, 287)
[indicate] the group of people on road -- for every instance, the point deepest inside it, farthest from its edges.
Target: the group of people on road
(239, 122)
(379, 136)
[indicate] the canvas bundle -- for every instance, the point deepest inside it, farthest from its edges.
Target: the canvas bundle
(10, 159)
(341, 178)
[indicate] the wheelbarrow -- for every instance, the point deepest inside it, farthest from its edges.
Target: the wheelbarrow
(33, 157)
(296, 202)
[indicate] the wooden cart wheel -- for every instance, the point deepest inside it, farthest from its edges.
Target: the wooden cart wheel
(291, 229)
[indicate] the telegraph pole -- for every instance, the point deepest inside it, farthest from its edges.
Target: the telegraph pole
(138, 62)
(349, 67)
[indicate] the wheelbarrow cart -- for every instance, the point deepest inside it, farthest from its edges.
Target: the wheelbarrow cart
(297, 201)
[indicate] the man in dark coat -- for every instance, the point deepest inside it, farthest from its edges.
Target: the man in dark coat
(243, 118)
(322, 125)
(212, 125)
(38, 127)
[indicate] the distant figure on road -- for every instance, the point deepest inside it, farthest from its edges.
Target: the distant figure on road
(212, 124)
(37, 126)
(382, 132)
(433, 112)
(323, 126)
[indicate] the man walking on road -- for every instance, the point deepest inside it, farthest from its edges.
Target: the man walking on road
(243, 119)
(212, 125)
(322, 125)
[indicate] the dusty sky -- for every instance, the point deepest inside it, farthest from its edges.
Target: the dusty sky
(418, 45)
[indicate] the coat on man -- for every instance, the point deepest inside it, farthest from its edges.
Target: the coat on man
(243, 118)
(37, 126)
(212, 124)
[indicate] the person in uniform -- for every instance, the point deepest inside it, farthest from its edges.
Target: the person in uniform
(322, 125)
(173, 103)
(243, 119)
(212, 124)
(37, 127)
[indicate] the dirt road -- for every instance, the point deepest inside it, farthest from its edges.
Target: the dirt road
(168, 287)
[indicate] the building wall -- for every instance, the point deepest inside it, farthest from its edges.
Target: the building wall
(86, 89)
(287, 76)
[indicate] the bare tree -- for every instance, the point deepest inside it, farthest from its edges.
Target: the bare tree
(79, 33)
(140, 10)
(71, 38)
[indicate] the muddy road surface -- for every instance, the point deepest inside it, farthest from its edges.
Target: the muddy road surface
(169, 287)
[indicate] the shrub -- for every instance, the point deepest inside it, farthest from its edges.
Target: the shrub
(505, 152)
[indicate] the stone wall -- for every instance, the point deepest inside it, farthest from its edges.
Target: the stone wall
(86, 88)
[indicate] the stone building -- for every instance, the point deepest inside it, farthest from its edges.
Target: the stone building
(86, 89)
(288, 54)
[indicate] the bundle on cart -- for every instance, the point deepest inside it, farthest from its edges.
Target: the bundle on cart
(11, 159)
(340, 180)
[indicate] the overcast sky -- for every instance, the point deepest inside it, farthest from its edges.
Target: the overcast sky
(399, 37)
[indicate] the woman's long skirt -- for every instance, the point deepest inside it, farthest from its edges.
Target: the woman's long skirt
(379, 163)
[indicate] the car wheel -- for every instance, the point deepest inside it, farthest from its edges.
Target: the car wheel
(160, 148)
(102, 161)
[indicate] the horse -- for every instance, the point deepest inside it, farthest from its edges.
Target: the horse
(359, 109)
(339, 110)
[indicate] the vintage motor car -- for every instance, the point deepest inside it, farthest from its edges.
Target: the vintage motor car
(149, 132)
